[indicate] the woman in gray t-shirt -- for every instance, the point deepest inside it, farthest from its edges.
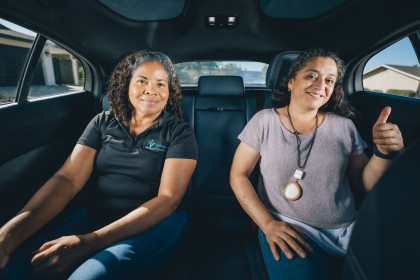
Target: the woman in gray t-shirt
(310, 153)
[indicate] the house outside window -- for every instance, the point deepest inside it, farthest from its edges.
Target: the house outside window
(394, 70)
(394, 79)
(57, 72)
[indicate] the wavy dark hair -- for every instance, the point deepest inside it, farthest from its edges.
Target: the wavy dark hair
(117, 89)
(337, 104)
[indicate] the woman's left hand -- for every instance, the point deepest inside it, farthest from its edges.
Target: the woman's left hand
(387, 136)
(57, 258)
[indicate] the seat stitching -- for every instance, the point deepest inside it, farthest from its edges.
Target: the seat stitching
(356, 265)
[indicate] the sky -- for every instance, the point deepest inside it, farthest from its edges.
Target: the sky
(17, 28)
(400, 53)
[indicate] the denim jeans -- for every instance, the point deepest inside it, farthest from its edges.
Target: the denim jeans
(138, 257)
(315, 266)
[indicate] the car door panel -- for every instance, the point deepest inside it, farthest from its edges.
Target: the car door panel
(405, 113)
(36, 139)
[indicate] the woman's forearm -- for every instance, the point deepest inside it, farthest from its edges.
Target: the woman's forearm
(171, 191)
(249, 200)
(387, 139)
(374, 170)
(243, 164)
(47, 202)
(139, 220)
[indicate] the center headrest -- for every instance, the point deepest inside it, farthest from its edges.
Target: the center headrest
(221, 86)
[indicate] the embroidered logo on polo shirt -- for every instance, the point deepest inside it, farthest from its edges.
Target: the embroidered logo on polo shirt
(153, 146)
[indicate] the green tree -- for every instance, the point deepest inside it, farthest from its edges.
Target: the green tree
(189, 72)
(402, 92)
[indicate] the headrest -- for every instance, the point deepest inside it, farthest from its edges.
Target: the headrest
(278, 67)
(276, 71)
(221, 86)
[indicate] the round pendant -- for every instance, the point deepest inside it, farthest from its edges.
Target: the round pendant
(292, 191)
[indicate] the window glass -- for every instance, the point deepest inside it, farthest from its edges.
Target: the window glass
(394, 70)
(57, 72)
(253, 73)
(15, 44)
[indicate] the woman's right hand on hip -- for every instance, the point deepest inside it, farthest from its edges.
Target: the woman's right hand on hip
(288, 237)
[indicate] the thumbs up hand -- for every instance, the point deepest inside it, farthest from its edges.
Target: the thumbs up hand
(387, 136)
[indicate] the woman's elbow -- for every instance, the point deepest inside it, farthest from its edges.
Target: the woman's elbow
(235, 177)
(170, 203)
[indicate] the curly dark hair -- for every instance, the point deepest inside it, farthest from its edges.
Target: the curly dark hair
(337, 104)
(117, 89)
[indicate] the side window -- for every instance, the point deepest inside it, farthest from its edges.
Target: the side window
(15, 45)
(57, 72)
(394, 70)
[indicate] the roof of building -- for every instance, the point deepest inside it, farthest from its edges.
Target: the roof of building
(413, 70)
(410, 71)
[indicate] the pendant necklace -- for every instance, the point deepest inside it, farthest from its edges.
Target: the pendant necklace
(293, 191)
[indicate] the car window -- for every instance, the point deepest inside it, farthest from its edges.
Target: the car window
(253, 73)
(57, 72)
(15, 45)
(394, 70)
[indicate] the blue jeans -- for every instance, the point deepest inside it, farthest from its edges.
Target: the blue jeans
(138, 257)
(314, 266)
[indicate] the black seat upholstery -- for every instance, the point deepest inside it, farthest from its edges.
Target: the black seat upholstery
(104, 103)
(276, 71)
(385, 240)
(220, 242)
(221, 111)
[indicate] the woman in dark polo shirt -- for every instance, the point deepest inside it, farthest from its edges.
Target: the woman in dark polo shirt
(143, 156)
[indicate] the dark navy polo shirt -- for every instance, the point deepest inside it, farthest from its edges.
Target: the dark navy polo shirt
(128, 171)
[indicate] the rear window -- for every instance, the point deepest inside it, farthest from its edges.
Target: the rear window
(252, 72)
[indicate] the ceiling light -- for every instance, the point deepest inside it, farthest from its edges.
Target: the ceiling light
(211, 20)
(221, 21)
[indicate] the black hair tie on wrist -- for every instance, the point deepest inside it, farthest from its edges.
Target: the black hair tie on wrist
(378, 153)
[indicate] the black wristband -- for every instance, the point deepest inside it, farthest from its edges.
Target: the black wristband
(391, 155)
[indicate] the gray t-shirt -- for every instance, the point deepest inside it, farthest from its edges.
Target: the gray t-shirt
(326, 200)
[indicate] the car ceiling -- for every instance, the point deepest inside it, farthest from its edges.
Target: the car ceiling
(93, 31)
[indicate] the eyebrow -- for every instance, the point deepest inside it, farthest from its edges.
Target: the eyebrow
(314, 70)
(140, 76)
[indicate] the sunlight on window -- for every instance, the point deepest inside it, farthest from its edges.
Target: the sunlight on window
(15, 45)
(253, 73)
(394, 70)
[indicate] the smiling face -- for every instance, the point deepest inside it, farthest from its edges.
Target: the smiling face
(314, 83)
(148, 90)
